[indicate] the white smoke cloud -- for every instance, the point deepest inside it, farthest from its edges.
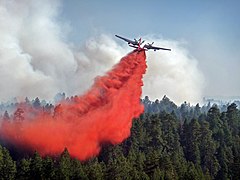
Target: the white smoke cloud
(35, 59)
(173, 73)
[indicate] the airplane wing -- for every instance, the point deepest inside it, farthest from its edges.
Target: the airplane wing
(155, 48)
(127, 40)
(158, 48)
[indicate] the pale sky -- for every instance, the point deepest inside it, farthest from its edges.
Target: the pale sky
(64, 44)
(211, 30)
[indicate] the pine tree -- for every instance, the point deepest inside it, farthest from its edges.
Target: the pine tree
(171, 140)
(197, 111)
(36, 167)
(139, 166)
(233, 118)
(6, 116)
(65, 165)
(208, 150)
(48, 168)
(139, 136)
(223, 162)
(235, 166)
(7, 165)
(155, 132)
(118, 166)
(157, 174)
(95, 169)
(147, 104)
(193, 173)
(214, 119)
(166, 165)
(23, 171)
(152, 161)
(190, 141)
(167, 105)
(155, 106)
(78, 171)
(1, 160)
(36, 103)
(27, 101)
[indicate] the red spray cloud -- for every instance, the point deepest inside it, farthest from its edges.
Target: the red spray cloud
(103, 114)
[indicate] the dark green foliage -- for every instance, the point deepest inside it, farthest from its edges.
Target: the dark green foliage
(48, 168)
(78, 171)
(65, 165)
(7, 165)
(215, 122)
(191, 141)
(36, 167)
(194, 172)
(24, 169)
(207, 150)
(118, 166)
(157, 174)
(233, 118)
(166, 142)
(95, 170)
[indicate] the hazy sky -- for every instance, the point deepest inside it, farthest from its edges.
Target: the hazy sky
(210, 30)
(55, 46)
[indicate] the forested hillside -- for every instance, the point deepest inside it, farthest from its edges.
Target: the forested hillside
(166, 142)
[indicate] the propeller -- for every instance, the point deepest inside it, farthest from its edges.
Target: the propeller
(150, 44)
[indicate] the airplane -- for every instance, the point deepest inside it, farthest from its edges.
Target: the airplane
(137, 44)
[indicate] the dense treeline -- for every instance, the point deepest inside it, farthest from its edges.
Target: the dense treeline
(166, 142)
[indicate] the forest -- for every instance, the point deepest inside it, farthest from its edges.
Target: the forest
(167, 142)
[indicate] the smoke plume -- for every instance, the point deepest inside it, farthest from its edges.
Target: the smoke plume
(36, 60)
(103, 115)
(174, 73)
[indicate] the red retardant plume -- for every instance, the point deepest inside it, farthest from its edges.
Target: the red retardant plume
(103, 114)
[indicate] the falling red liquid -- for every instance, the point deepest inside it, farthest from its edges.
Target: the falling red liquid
(104, 114)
